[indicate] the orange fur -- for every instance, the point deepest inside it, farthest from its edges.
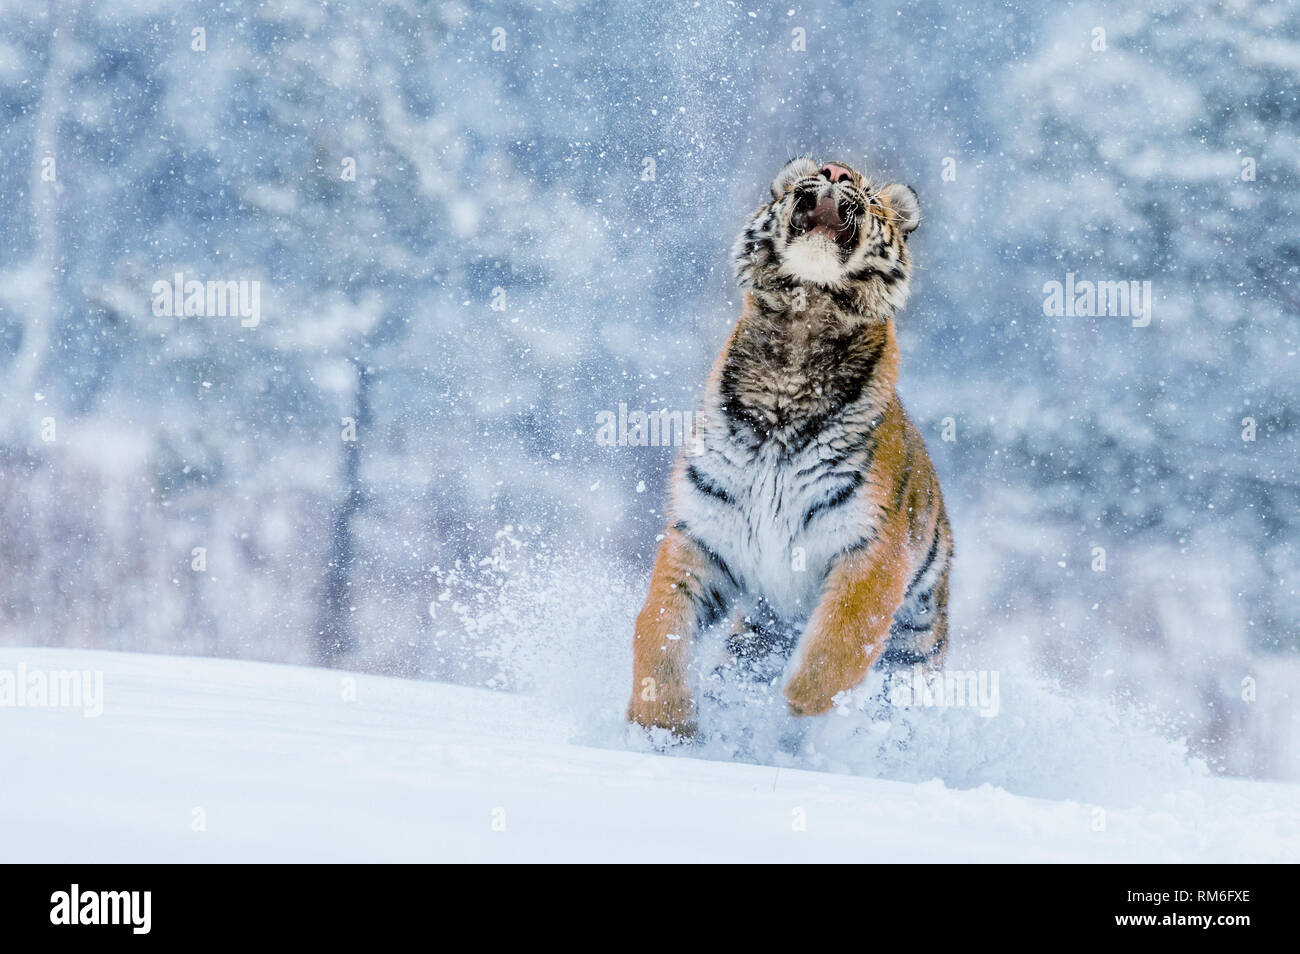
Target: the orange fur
(660, 694)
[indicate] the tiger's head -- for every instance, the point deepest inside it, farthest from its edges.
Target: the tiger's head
(828, 226)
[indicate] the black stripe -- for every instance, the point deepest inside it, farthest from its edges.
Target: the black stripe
(708, 596)
(910, 657)
(846, 299)
(863, 441)
(835, 500)
(904, 478)
(705, 485)
(929, 559)
(714, 558)
(734, 409)
(858, 547)
(710, 605)
(866, 442)
(721, 566)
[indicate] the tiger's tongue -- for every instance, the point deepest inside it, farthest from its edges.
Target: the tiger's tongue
(826, 215)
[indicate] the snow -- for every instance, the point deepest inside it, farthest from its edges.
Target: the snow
(282, 763)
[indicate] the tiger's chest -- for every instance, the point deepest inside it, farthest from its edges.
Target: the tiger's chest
(774, 531)
(777, 506)
(786, 446)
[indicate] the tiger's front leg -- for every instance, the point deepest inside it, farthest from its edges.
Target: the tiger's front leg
(686, 588)
(849, 628)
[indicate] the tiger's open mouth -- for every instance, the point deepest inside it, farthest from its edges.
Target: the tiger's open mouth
(821, 218)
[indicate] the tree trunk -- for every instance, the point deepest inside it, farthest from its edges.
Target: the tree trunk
(335, 638)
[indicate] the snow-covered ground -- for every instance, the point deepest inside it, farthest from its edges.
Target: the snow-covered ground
(215, 760)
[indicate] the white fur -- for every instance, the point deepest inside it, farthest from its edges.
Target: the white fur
(813, 258)
(757, 539)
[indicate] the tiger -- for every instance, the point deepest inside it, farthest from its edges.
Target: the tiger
(806, 502)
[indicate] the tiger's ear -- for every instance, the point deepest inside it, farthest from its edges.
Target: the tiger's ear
(902, 200)
(792, 172)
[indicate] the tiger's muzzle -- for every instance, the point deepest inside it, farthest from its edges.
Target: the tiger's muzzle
(821, 212)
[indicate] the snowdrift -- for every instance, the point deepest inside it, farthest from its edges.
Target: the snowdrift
(212, 760)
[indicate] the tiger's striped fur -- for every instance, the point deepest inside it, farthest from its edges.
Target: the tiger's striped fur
(808, 497)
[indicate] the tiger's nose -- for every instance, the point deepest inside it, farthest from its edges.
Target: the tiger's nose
(836, 173)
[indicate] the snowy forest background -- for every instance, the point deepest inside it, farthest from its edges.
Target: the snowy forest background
(185, 485)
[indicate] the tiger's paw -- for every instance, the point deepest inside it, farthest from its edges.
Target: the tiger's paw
(674, 715)
(806, 695)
